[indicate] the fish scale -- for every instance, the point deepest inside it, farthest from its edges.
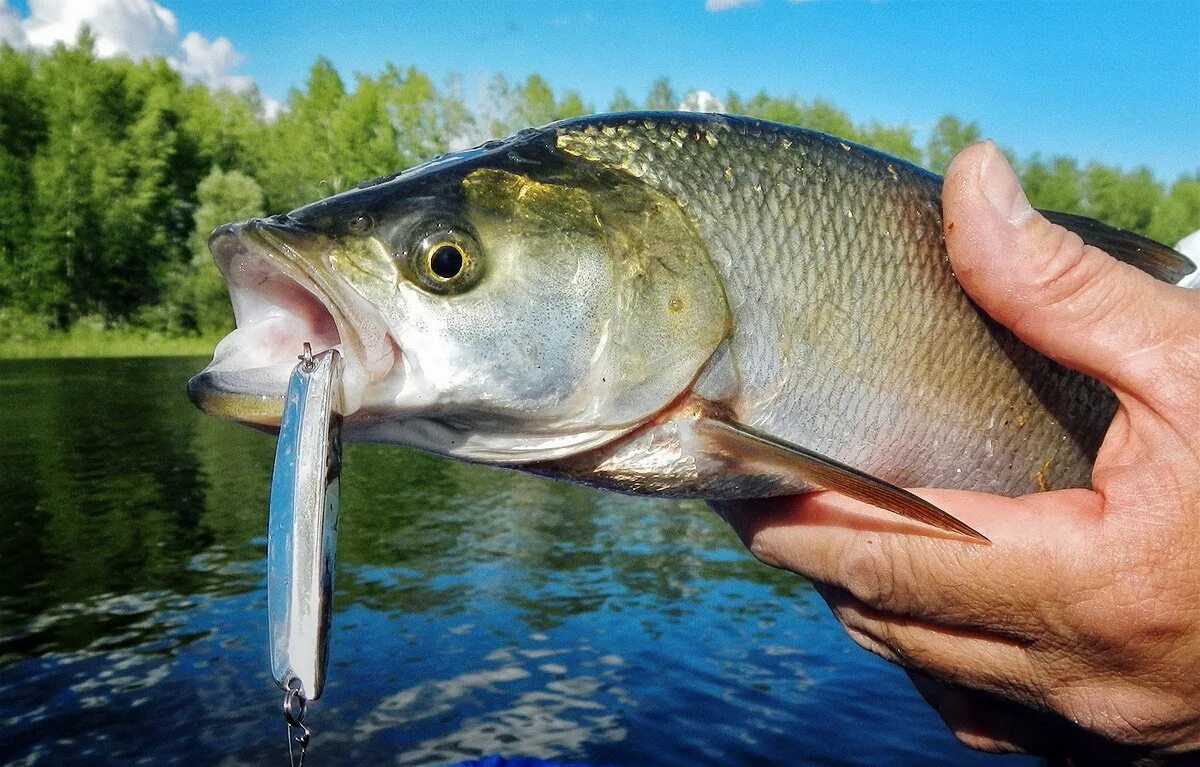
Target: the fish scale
(829, 223)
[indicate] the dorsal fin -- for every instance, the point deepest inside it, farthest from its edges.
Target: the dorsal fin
(1151, 257)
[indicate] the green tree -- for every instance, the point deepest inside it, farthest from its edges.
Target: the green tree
(571, 105)
(225, 129)
(782, 110)
(533, 103)
(1125, 200)
(661, 95)
(823, 116)
(201, 297)
(949, 137)
(456, 125)
(299, 159)
(733, 104)
(1178, 215)
(22, 130)
(135, 194)
(113, 184)
(363, 133)
(417, 113)
(895, 140)
(1053, 185)
(494, 109)
(65, 222)
(621, 102)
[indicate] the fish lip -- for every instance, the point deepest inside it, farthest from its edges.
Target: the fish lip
(219, 394)
(280, 301)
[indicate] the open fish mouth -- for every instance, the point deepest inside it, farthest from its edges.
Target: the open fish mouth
(282, 300)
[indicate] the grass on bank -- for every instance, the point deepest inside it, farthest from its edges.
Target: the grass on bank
(109, 345)
(26, 338)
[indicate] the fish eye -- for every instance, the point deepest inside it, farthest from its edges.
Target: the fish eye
(361, 224)
(447, 260)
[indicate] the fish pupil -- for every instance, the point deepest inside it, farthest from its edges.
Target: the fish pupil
(446, 262)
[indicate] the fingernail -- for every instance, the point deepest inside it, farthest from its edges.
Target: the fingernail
(1000, 185)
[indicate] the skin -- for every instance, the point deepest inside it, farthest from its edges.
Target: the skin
(1077, 632)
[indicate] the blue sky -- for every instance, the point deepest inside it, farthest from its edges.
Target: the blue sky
(1113, 81)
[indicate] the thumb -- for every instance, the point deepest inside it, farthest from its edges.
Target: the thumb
(1071, 301)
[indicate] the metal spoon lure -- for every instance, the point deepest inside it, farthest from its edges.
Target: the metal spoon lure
(302, 535)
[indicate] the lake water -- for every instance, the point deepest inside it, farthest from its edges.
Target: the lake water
(478, 611)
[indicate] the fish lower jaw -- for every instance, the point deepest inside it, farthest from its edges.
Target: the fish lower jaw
(276, 316)
(248, 377)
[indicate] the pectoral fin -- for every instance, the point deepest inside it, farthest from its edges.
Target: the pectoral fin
(816, 469)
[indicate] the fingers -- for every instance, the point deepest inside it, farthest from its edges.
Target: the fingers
(976, 659)
(1070, 301)
(989, 723)
(980, 722)
(1036, 542)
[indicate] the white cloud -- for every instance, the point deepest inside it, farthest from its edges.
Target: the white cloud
(271, 108)
(212, 62)
(11, 31)
(135, 28)
(701, 101)
(716, 6)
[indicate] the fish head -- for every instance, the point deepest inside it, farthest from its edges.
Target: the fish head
(503, 305)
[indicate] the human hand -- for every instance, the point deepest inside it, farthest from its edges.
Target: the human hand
(1078, 630)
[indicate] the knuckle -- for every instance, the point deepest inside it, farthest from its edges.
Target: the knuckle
(869, 572)
(1134, 689)
(762, 547)
(1064, 267)
(1072, 278)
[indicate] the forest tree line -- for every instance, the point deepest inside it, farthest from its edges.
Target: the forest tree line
(113, 172)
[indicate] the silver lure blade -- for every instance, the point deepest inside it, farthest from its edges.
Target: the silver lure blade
(302, 528)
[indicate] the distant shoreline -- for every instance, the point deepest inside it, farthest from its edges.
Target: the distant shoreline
(69, 344)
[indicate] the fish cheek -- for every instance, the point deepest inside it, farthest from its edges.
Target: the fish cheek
(547, 318)
(608, 283)
(518, 346)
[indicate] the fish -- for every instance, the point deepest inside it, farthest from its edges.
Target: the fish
(668, 304)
